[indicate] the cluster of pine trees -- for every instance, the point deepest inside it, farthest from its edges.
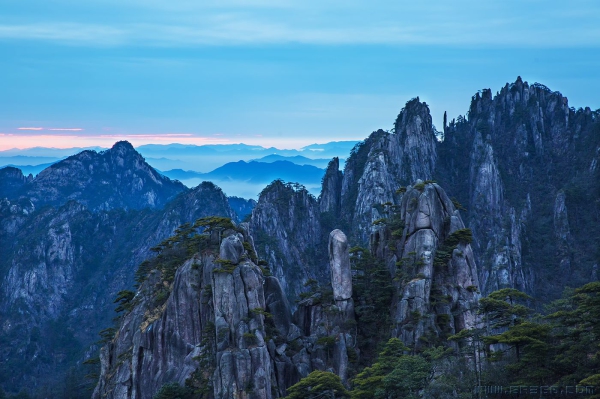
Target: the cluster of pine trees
(554, 354)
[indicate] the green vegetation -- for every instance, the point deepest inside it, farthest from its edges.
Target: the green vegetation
(200, 381)
(250, 338)
(515, 346)
(318, 384)
(173, 391)
(394, 375)
(225, 266)
(392, 219)
(124, 299)
(444, 253)
(372, 294)
(457, 204)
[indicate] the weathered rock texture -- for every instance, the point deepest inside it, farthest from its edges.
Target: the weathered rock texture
(339, 263)
(384, 162)
(523, 164)
(157, 342)
(223, 326)
(433, 264)
(287, 228)
(62, 266)
(530, 186)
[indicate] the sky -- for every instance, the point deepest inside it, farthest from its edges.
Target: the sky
(279, 73)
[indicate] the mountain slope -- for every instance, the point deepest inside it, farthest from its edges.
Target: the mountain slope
(61, 266)
(115, 178)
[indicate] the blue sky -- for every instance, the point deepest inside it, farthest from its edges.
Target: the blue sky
(283, 73)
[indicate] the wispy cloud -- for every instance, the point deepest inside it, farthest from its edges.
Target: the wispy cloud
(71, 33)
(236, 23)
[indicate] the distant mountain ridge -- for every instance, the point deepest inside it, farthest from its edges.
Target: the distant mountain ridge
(121, 174)
(255, 172)
(297, 159)
(200, 159)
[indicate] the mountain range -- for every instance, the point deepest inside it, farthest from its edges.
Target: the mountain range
(507, 199)
(234, 178)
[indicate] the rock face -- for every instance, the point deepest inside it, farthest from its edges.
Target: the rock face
(434, 267)
(157, 343)
(339, 263)
(533, 160)
(232, 248)
(243, 366)
(329, 201)
(384, 162)
(212, 324)
(210, 331)
(523, 164)
(286, 226)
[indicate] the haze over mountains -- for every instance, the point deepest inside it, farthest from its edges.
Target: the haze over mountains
(193, 164)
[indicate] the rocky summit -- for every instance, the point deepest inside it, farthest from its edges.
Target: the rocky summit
(417, 271)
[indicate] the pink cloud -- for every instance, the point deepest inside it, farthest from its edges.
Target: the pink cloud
(148, 135)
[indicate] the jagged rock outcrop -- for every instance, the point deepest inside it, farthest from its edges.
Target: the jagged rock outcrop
(288, 235)
(159, 342)
(212, 324)
(331, 190)
(384, 162)
(243, 367)
(532, 160)
(433, 264)
(523, 164)
(224, 327)
(11, 181)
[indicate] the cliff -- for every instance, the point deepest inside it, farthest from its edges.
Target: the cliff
(425, 244)
(223, 329)
(62, 266)
(289, 237)
(530, 177)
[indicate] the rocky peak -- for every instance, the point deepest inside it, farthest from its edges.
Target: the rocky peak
(386, 161)
(123, 147)
(286, 226)
(115, 178)
(532, 159)
(331, 190)
(416, 140)
(11, 181)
